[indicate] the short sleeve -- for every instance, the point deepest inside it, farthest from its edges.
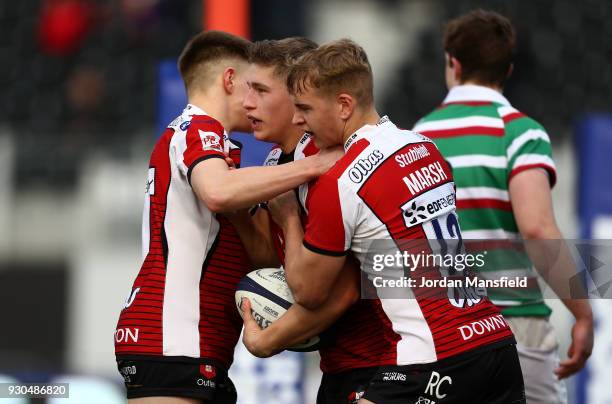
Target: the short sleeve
(529, 147)
(328, 228)
(204, 139)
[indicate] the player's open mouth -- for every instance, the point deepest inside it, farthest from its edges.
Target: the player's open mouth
(255, 123)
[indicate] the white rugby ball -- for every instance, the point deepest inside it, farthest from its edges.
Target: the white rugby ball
(270, 298)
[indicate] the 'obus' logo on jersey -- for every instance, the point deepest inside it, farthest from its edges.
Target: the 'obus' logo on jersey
(364, 166)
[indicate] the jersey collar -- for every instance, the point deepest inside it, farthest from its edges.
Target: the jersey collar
(364, 131)
(472, 92)
(191, 109)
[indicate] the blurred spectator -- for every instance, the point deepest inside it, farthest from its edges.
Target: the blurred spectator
(63, 25)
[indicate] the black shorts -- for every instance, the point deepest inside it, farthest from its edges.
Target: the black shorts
(177, 377)
(345, 387)
(490, 377)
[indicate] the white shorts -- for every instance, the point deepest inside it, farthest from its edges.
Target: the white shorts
(538, 350)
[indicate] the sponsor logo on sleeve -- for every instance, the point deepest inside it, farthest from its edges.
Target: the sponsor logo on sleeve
(185, 125)
(210, 141)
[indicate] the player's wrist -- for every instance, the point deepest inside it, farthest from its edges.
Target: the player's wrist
(316, 166)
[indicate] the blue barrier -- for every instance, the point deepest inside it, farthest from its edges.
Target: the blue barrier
(593, 144)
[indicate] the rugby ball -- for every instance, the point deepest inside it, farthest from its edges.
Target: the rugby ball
(270, 298)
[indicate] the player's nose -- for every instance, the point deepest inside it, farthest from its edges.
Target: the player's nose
(249, 101)
(298, 119)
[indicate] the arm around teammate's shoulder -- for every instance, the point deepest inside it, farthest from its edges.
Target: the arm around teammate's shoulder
(222, 189)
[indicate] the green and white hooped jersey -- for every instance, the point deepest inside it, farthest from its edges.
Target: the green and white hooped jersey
(487, 142)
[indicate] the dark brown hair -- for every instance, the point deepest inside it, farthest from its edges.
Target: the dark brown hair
(338, 66)
(206, 48)
(280, 54)
(484, 42)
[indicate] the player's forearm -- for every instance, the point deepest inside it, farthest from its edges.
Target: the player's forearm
(299, 323)
(554, 262)
(235, 189)
(580, 308)
(294, 235)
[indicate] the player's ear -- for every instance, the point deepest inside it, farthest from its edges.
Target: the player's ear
(346, 105)
(229, 78)
(455, 64)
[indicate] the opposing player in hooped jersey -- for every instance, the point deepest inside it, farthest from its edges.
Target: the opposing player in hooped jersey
(367, 196)
(356, 343)
(176, 334)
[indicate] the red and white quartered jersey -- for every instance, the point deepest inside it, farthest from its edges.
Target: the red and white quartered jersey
(380, 190)
(182, 302)
(359, 336)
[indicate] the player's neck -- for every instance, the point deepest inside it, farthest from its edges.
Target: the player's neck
(214, 105)
(359, 120)
(499, 89)
(291, 140)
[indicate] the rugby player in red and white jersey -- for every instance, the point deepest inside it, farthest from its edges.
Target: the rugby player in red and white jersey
(445, 348)
(176, 334)
(356, 341)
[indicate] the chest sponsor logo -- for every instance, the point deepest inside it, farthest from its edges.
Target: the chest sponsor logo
(425, 178)
(364, 166)
(210, 141)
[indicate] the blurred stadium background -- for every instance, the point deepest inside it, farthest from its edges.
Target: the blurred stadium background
(80, 110)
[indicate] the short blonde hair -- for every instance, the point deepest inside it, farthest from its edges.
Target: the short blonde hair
(333, 68)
